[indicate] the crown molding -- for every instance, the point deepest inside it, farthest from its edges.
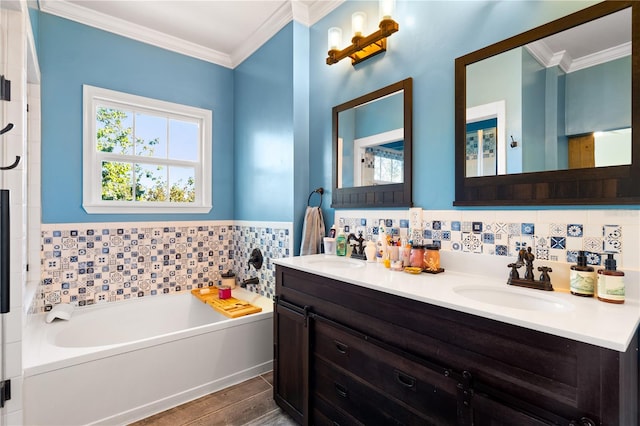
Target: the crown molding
(318, 10)
(601, 57)
(281, 17)
(305, 12)
(547, 58)
(127, 29)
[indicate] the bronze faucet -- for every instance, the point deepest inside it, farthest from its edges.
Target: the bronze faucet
(525, 258)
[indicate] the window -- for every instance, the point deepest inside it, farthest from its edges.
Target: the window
(143, 155)
(388, 165)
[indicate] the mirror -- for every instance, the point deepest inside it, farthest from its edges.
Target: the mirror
(546, 117)
(372, 138)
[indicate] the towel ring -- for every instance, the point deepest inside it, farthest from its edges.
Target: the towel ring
(319, 191)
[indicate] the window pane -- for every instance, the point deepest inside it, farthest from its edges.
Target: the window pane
(151, 182)
(151, 136)
(114, 131)
(117, 179)
(182, 188)
(183, 140)
(398, 171)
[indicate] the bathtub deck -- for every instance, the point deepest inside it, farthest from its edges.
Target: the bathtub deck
(248, 403)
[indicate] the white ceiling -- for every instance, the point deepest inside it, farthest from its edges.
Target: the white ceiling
(224, 32)
(586, 45)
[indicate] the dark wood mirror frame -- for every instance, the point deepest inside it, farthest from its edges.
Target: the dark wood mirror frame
(391, 195)
(603, 185)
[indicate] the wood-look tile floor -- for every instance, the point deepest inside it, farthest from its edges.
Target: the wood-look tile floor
(249, 403)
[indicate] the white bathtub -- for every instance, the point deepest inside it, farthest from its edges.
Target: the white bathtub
(120, 362)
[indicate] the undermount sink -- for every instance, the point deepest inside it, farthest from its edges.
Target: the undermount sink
(337, 262)
(531, 300)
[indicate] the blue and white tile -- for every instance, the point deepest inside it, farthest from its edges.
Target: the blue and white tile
(558, 229)
(593, 244)
(471, 242)
(574, 230)
(527, 229)
(542, 253)
(612, 238)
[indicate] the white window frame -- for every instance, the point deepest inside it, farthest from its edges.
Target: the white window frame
(92, 159)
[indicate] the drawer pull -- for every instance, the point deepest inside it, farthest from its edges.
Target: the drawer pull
(340, 390)
(405, 380)
(341, 347)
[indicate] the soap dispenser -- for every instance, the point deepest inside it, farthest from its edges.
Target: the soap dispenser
(370, 251)
(582, 277)
(610, 282)
(341, 244)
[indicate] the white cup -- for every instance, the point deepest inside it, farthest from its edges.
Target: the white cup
(393, 253)
(329, 245)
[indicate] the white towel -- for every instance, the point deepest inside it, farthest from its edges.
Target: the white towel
(312, 231)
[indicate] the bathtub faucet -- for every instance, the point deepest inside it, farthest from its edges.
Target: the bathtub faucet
(254, 280)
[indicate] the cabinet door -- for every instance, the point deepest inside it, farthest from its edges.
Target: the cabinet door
(291, 360)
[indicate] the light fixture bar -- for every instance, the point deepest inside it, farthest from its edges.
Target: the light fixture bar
(362, 48)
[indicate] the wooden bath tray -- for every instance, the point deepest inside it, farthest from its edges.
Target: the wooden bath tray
(231, 307)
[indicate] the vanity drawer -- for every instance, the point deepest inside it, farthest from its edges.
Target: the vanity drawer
(428, 390)
(326, 414)
(365, 403)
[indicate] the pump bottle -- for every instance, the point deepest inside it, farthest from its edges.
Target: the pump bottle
(582, 277)
(610, 282)
(341, 243)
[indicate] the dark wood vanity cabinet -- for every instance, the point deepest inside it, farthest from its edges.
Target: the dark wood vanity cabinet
(291, 359)
(345, 354)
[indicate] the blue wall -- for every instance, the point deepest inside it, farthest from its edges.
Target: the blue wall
(534, 113)
(272, 114)
(264, 132)
(599, 97)
(432, 34)
(504, 83)
(70, 55)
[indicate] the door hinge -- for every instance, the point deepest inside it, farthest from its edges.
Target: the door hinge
(5, 392)
(5, 89)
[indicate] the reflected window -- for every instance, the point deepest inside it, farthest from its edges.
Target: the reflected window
(481, 148)
(384, 164)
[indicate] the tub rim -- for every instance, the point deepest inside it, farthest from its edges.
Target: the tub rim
(41, 355)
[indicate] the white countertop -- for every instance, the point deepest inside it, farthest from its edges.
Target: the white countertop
(583, 319)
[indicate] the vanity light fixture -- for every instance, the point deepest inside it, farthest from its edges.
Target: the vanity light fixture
(362, 47)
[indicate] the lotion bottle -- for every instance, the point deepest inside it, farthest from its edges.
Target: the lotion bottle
(610, 282)
(382, 242)
(582, 277)
(341, 244)
(370, 251)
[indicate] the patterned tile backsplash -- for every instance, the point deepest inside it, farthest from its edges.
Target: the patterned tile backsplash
(557, 241)
(85, 264)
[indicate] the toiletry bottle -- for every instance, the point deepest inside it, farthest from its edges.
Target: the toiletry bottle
(610, 282)
(382, 242)
(341, 244)
(370, 251)
(582, 277)
(332, 231)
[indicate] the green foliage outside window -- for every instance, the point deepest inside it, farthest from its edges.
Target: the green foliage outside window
(115, 134)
